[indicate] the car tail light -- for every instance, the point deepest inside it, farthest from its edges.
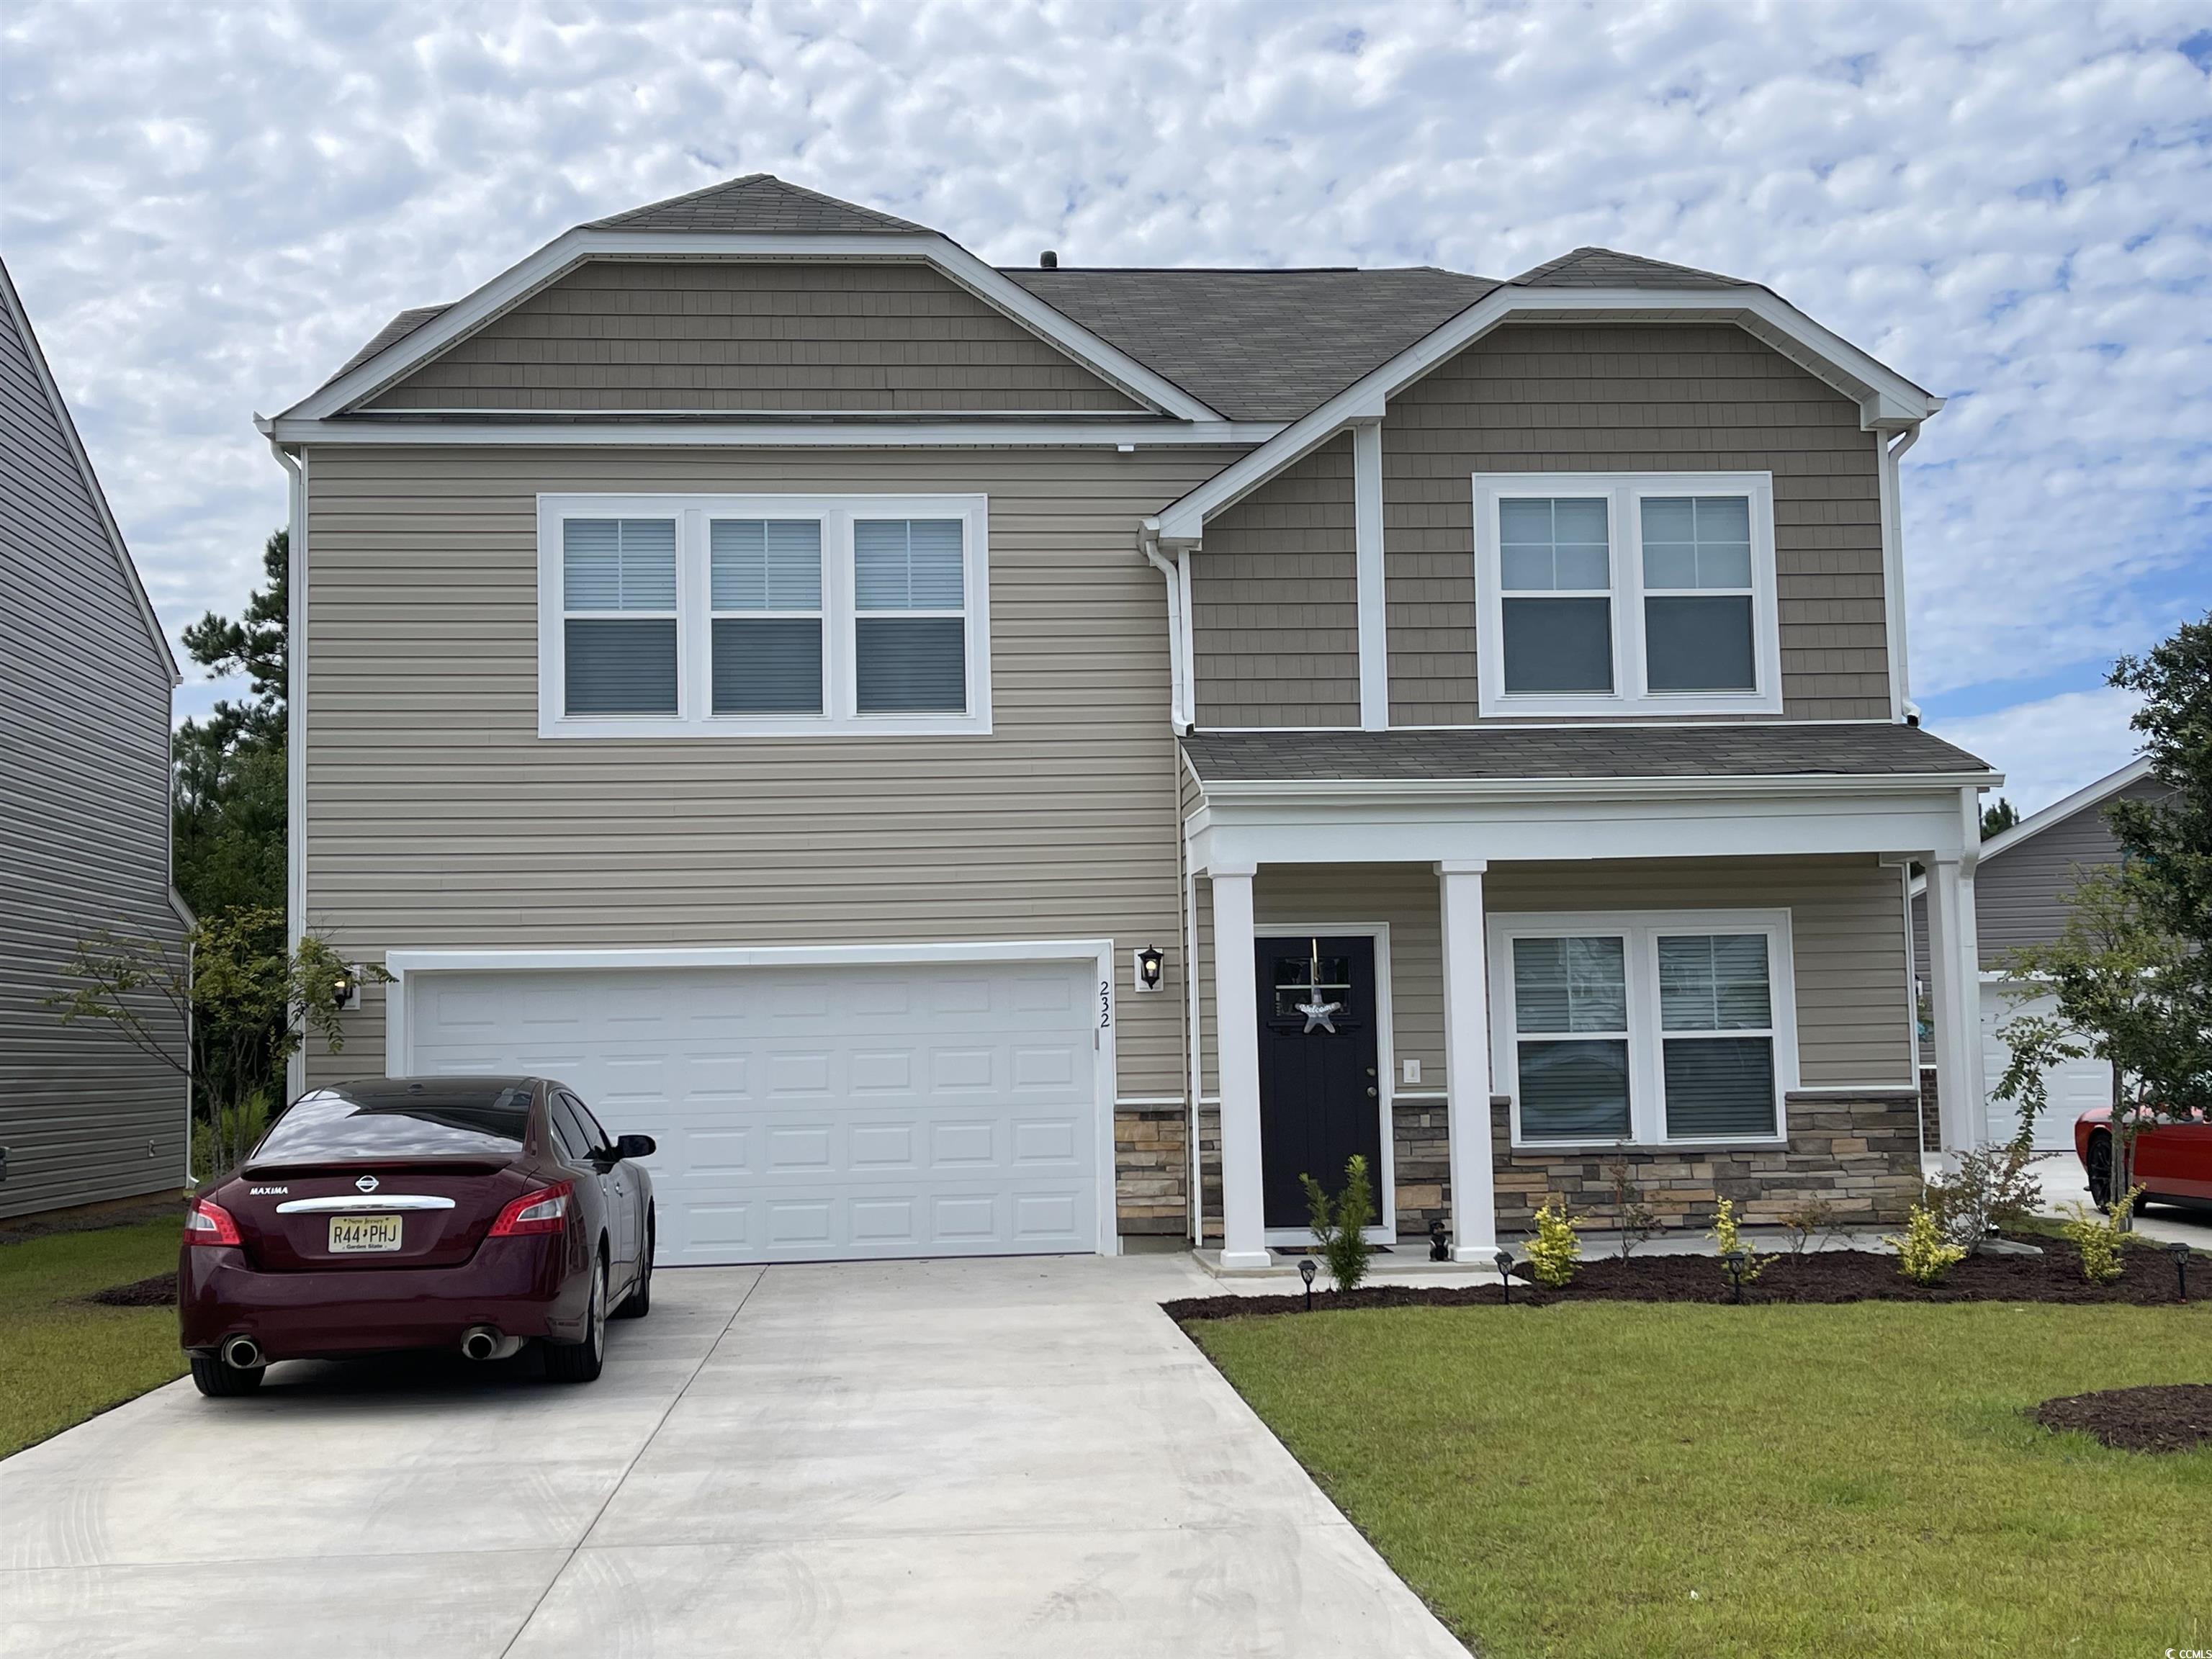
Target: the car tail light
(544, 1210)
(210, 1223)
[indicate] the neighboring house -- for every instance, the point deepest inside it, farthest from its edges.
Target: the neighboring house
(778, 672)
(2020, 886)
(85, 679)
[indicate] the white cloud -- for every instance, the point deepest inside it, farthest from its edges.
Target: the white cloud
(2050, 748)
(208, 207)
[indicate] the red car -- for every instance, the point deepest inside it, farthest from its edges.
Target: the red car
(472, 1213)
(2173, 1161)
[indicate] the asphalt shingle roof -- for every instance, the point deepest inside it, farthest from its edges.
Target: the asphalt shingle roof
(1835, 748)
(1600, 267)
(758, 202)
(1259, 345)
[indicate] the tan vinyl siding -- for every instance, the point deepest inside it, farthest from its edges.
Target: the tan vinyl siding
(437, 816)
(1847, 929)
(84, 825)
(1276, 602)
(1633, 397)
(760, 334)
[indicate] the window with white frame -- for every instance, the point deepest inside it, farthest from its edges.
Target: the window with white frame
(1644, 1029)
(1628, 593)
(762, 616)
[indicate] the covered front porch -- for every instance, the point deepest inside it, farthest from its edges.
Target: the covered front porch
(1504, 964)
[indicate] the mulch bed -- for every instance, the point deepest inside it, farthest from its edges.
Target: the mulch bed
(158, 1291)
(2170, 1417)
(1826, 1276)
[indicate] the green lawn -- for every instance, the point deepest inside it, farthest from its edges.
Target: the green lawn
(1640, 1480)
(62, 1360)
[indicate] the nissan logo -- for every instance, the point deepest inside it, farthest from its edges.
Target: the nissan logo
(367, 1184)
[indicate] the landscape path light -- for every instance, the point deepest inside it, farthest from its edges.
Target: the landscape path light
(1505, 1260)
(1734, 1261)
(1306, 1273)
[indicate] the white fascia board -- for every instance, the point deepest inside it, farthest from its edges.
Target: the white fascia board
(1886, 398)
(1246, 835)
(1424, 791)
(928, 433)
(565, 253)
(59, 407)
(433, 961)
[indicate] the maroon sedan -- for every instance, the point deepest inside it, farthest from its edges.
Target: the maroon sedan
(2173, 1161)
(472, 1213)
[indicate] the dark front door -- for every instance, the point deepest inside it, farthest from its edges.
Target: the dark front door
(1320, 1098)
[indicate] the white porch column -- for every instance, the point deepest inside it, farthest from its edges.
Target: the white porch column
(1466, 1060)
(1954, 996)
(1236, 1023)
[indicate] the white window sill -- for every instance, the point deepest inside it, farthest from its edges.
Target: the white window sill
(728, 728)
(1576, 1148)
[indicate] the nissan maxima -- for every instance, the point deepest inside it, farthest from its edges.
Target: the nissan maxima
(468, 1213)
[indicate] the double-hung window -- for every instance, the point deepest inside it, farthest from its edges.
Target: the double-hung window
(762, 616)
(1644, 593)
(1644, 1028)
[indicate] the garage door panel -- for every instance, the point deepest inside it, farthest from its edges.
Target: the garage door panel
(812, 1114)
(2073, 1088)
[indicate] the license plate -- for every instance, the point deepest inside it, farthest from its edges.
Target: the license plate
(363, 1232)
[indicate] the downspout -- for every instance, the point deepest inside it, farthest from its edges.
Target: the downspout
(295, 726)
(1892, 543)
(1148, 540)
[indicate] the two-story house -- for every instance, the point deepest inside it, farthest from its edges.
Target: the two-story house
(981, 759)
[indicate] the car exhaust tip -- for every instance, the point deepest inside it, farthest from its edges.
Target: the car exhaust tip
(485, 1342)
(242, 1353)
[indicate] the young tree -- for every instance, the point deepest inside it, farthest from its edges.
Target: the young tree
(229, 808)
(1999, 818)
(246, 1005)
(2132, 972)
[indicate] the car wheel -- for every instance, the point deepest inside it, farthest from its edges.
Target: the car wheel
(219, 1381)
(639, 1302)
(579, 1362)
(2098, 1168)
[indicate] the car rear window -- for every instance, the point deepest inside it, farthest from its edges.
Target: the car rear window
(327, 1127)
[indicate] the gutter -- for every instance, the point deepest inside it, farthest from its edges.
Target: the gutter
(1419, 791)
(1892, 565)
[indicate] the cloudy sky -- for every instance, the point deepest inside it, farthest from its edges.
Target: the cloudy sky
(207, 207)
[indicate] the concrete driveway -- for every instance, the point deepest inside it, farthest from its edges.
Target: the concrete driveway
(915, 1458)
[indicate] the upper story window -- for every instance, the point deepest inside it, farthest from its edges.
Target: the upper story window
(1628, 593)
(777, 616)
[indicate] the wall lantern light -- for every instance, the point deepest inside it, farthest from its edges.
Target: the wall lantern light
(1149, 961)
(345, 989)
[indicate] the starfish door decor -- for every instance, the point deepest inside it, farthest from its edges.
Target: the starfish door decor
(1318, 1012)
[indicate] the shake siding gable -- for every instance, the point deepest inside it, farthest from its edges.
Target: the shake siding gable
(84, 821)
(436, 817)
(763, 335)
(1276, 602)
(1633, 397)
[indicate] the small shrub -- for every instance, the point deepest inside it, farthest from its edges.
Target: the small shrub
(2099, 1237)
(1638, 1220)
(1815, 1217)
(1923, 1254)
(1555, 1251)
(1728, 1233)
(1341, 1229)
(1991, 1190)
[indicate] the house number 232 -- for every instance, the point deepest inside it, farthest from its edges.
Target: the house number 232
(1105, 1003)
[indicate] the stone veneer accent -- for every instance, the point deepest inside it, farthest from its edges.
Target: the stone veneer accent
(1151, 1172)
(1421, 1150)
(1931, 1122)
(1862, 1153)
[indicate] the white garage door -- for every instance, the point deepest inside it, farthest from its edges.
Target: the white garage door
(809, 1114)
(2074, 1087)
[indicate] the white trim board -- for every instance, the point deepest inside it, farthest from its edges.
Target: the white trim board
(574, 248)
(1886, 398)
(1098, 952)
(923, 430)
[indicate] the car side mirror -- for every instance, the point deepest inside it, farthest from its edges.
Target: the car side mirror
(637, 1147)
